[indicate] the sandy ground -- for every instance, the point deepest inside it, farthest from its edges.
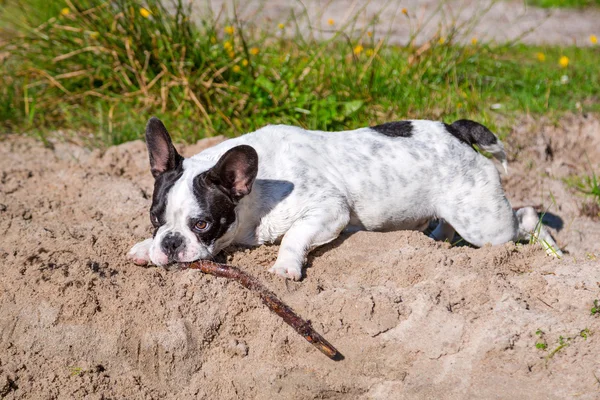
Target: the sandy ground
(488, 20)
(414, 319)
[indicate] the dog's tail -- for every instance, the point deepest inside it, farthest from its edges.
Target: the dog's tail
(474, 133)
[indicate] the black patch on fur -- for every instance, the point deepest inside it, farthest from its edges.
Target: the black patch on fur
(235, 172)
(218, 209)
(395, 129)
(219, 190)
(471, 132)
(163, 183)
(166, 165)
(162, 153)
(171, 244)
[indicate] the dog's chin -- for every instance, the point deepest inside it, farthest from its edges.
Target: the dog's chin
(190, 255)
(159, 258)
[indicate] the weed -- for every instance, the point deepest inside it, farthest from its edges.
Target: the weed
(105, 67)
(563, 3)
(535, 236)
(541, 346)
(541, 343)
(76, 371)
(596, 308)
(589, 186)
(562, 343)
(585, 333)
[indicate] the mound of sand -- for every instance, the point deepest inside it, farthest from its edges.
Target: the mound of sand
(413, 318)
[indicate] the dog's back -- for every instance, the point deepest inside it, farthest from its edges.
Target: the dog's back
(392, 176)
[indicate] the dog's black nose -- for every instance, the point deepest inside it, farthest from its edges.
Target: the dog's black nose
(172, 243)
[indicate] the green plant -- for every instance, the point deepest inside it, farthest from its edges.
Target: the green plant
(535, 236)
(589, 186)
(562, 343)
(563, 3)
(541, 346)
(596, 308)
(541, 343)
(103, 67)
(585, 333)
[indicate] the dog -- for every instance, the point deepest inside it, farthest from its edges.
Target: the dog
(303, 188)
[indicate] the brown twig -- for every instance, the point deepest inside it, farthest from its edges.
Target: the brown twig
(269, 298)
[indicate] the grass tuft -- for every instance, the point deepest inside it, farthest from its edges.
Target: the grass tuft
(589, 186)
(563, 3)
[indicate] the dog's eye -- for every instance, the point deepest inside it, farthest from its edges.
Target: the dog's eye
(201, 226)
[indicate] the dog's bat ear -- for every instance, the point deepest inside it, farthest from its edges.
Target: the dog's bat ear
(235, 172)
(163, 156)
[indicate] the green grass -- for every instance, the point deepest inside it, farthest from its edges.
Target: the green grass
(104, 69)
(563, 3)
(589, 187)
(596, 308)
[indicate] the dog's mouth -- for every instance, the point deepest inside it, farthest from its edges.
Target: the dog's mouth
(190, 255)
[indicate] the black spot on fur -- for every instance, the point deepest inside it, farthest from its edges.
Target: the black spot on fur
(163, 183)
(163, 155)
(166, 165)
(218, 209)
(395, 129)
(471, 132)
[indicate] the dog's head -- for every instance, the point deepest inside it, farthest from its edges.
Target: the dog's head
(194, 205)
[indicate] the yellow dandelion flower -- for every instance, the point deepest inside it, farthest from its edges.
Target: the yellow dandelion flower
(369, 34)
(281, 26)
(442, 40)
(94, 35)
(144, 12)
(254, 51)
(227, 46)
(593, 39)
(474, 41)
(541, 57)
(330, 21)
(358, 49)
(404, 11)
(369, 52)
(232, 54)
(229, 30)
(245, 62)
(236, 68)
(563, 61)
(65, 11)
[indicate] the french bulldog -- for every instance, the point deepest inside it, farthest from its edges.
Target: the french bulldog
(303, 188)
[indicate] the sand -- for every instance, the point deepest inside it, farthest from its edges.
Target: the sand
(413, 318)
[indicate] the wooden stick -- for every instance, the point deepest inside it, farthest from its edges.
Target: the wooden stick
(304, 328)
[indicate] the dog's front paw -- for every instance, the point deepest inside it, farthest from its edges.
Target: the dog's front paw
(140, 253)
(287, 270)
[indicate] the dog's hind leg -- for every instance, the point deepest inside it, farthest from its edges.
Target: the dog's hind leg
(443, 232)
(531, 229)
(483, 215)
(500, 226)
